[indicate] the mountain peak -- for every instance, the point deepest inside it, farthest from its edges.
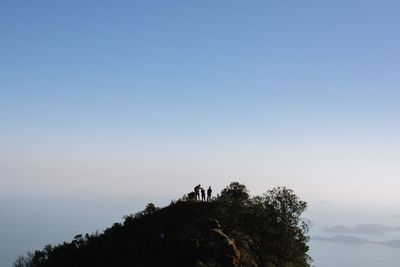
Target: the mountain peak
(232, 230)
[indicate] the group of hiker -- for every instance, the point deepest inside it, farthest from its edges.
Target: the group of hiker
(198, 189)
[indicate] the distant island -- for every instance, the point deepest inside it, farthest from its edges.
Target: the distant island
(355, 240)
(232, 230)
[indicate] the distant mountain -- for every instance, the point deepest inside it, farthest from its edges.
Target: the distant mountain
(232, 230)
(356, 240)
(363, 229)
(343, 239)
(392, 243)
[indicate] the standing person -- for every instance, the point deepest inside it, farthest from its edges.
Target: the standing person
(197, 191)
(203, 194)
(209, 191)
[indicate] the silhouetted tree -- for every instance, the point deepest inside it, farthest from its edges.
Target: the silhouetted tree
(285, 208)
(23, 261)
(150, 209)
(235, 193)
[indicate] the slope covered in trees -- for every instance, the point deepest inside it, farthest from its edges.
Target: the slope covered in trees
(232, 230)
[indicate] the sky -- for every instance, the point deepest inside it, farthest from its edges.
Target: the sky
(149, 98)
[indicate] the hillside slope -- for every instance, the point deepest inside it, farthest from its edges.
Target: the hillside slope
(232, 230)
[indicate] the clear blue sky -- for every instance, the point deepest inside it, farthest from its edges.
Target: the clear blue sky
(156, 96)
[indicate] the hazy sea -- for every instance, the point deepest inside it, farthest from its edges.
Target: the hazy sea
(29, 223)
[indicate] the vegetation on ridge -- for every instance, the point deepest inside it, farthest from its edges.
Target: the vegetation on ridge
(232, 230)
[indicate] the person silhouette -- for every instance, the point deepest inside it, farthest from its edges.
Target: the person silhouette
(209, 191)
(203, 194)
(197, 191)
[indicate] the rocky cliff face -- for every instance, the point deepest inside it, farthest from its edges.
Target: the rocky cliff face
(212, 245)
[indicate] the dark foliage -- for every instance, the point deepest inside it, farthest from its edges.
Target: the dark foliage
(232, 230)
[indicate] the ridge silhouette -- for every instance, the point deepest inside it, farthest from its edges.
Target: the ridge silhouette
(232, 230)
